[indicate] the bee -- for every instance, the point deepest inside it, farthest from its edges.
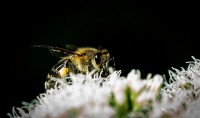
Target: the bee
(77, 60)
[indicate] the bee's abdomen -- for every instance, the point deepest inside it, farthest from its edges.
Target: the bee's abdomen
(59, 71)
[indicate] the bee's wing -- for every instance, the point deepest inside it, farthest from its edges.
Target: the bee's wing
(71, 47)
(56, 51)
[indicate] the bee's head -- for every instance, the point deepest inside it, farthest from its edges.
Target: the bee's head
(104, 62)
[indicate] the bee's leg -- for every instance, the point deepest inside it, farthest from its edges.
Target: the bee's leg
(72, 69)
(50, 83)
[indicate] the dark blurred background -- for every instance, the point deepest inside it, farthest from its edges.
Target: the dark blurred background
(151, 37)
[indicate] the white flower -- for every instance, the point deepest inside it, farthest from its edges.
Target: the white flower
(134, 80)
(87, 98)
(180, 98)
(119, 90)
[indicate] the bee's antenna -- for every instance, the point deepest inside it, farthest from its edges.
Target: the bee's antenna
(100, 47)
(112, 62)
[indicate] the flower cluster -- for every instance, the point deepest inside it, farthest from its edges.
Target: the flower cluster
(180, 98)
(118, 97)
(132, 96)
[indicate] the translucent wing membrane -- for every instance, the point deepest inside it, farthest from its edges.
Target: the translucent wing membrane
(57, 51)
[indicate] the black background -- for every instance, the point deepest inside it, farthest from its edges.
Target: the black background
(151, 37)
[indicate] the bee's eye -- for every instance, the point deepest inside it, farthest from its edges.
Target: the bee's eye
(97, 58)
